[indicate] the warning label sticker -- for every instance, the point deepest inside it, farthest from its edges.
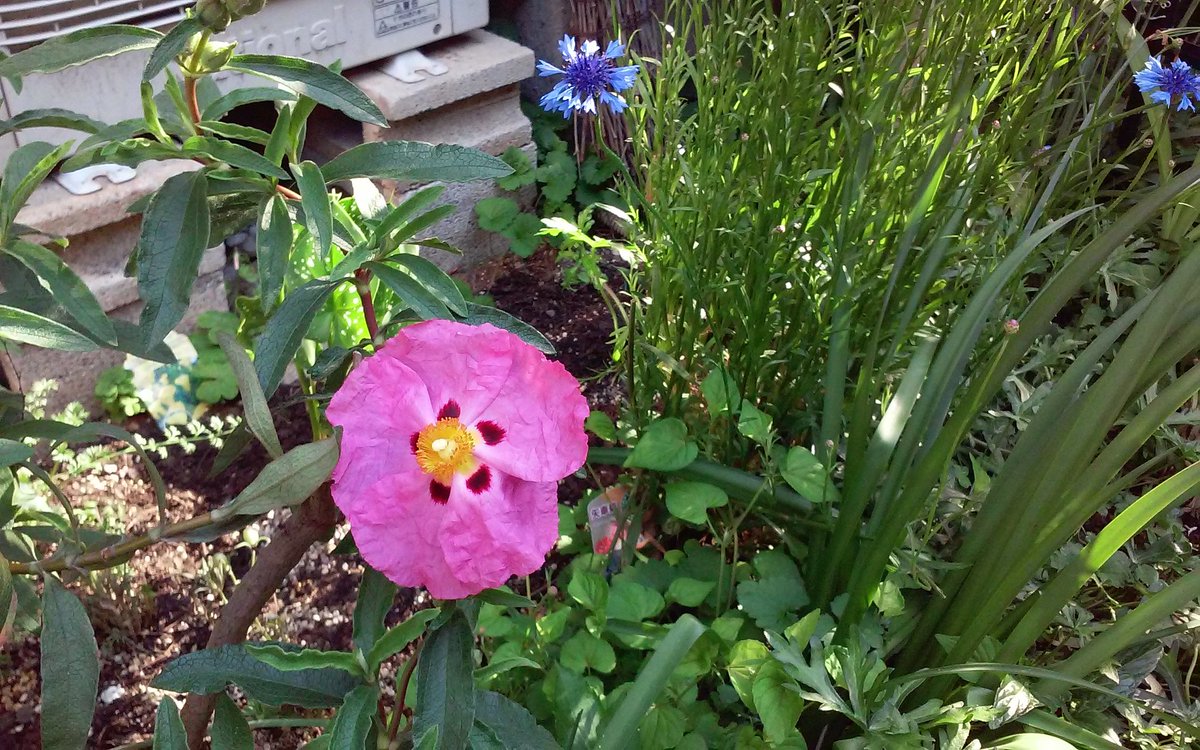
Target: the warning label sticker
(397, 15)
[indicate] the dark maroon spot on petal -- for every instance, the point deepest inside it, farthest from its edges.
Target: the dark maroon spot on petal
(492, 433)
(480, 480)
(439, 492)
(413, 442)
(450, 410)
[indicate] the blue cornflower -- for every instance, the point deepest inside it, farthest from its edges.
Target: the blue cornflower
(587, 76)
(1175, 84)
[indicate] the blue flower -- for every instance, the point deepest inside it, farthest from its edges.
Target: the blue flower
(1175, 84)
(588, 76)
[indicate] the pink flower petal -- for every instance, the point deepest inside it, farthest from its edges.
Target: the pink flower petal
(379, 407)
(506, 530)
(503, 381)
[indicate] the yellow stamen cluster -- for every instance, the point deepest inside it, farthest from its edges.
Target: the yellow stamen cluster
(445, 448)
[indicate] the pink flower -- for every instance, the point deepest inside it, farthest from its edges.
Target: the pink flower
(453, 440)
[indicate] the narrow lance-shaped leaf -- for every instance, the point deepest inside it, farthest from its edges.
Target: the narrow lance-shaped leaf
(258, 413)
(290, 660)
(30, 328)
(230, 730)
(286, 481)
(50, 118)
(375, 597)
(173, 239)
(419, 162)
(24, 170)
(445, 684)
(170, 47)
(169, 733)
(274, 240)
(221, 106)
(68, 289)
(314, 81)
(78, 47)
(352, 723)
(70, 669)
(286, 329)
(477, 314)
(314, 198)
(412, 294)
(233, 155)
(395, 640)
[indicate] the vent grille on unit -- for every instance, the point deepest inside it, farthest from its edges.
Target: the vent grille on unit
(26, 23)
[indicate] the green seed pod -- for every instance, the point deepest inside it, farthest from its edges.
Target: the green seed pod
(216, 56)
(243, 8)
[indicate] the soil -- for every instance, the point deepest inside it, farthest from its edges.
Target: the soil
(162, 603)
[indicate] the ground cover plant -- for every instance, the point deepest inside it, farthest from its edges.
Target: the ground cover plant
(910, 379)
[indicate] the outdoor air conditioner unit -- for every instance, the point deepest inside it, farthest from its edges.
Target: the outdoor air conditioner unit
(352, 31)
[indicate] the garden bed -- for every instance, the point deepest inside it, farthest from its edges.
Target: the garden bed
(164, 605)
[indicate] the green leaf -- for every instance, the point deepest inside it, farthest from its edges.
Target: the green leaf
(433, 279)
(416, 162)
(496, 214)
(408, 208)
(230, 730)
(503, 596)
(317, 82)
(410, 292)
(396, 639)
(504, 664)
(68, 289)
(427, 740)
(287, 660)
(805, 474)
(173, 238)
(584, 650)
(803, 629)
(318, 216)
(274, 245)
(7, 592)
(1030, 741)
(13, 452)
(24, 170)
(29, 328)
(170, 47)
(480, 314)
(773, 600)
(169, 733)
(524, 234)
(288, 480)
(445, 684)
(601, 425)
(633, 601)
(690, 501)
(376, 594)
(745, 660)
(557, 175)
(209, 671)
(254, 402)
(618, 732)
(512, 724)
(775, 703)
(221, 106)
(353, 721)
(70, 669)
(754, 424)
(50, 118)
(590, 590)
(287, 328)
(408, 232)
(662, 727)
(689, 592)
(78, 47)
(663, 447)
(234, 155)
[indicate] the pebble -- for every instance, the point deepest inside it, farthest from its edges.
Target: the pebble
(111, 693)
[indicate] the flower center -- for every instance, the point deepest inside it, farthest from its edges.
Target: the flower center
(588, 74)
(444, 449)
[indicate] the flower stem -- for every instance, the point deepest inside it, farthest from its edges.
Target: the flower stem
(402, 693)
(362, 282)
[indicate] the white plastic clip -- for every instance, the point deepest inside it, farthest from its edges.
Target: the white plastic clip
(405, 66)
(83, 181)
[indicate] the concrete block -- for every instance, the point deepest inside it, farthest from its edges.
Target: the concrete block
(76, 372)
(491, 122)
(540, 25)
(478, 62)
(53, 210)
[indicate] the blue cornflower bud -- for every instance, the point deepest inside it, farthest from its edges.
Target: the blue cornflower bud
(588, 76)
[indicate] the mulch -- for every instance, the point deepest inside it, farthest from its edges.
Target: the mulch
(162, 603)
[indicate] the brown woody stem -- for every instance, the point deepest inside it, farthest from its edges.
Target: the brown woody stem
(313, 521)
